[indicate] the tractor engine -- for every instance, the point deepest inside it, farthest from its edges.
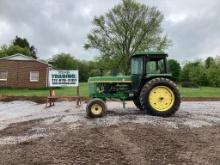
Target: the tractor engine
(114, 87)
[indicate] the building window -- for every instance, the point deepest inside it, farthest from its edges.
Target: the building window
(34, 76)
(3, 75)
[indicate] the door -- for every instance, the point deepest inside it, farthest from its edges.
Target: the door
(136, 72)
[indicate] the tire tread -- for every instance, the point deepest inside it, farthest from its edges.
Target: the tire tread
(147, 88)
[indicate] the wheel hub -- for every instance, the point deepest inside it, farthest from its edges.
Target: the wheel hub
(161, 98)
(96, 109)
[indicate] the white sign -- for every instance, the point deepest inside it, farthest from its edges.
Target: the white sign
(58, 78)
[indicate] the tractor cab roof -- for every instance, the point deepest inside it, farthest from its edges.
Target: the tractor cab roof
(151, 54)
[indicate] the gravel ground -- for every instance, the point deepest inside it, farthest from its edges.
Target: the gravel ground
(33, 134)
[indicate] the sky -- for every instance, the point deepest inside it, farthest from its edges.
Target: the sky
(55, 26)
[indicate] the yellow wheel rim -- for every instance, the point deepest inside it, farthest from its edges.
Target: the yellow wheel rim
(161, 98)
(96, 109)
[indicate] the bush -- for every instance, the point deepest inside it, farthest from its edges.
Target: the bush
(213, 75)
(189, 84)
(174, 68)
(195, 72)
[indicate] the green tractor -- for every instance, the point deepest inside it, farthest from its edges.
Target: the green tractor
(149, 86)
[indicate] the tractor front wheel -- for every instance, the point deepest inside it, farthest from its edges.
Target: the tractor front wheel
(160, 97)
(96, 108)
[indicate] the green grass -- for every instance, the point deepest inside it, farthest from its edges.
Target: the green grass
(65, 91)
(200, 92)
(71, 91)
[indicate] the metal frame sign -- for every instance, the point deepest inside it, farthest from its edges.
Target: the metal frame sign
(58, 78)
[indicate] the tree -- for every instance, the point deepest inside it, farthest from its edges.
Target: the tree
(213, 75)
(194, 72)
(23, 43)
(128, 27)
(13, 49)
(174, 68)
(209, 61)
(64, 61)
(3, 51)
(184, 75)
(18, 45)
(93, 69)
(84, 70)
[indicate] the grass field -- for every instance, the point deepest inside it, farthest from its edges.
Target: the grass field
(70, 91)
(65, 91)
(200, 92)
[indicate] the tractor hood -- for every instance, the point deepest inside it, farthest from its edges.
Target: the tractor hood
(110, 79)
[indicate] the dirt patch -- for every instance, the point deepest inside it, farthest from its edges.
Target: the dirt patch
(36, 99)
(21, 128)
(176, 146)
(119, 144)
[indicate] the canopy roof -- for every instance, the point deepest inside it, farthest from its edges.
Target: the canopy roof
(150, 53)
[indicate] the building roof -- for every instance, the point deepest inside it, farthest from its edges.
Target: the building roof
(21, 57)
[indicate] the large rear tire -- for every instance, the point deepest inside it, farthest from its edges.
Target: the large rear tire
(137, 103)
(160, 97)
(96, 108)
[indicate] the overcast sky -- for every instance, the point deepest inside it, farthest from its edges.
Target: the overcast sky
(55, 26)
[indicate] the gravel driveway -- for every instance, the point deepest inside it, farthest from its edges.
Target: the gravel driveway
(33, 134)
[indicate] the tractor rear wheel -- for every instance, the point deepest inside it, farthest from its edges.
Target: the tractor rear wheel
(137, 103)
(160, 97)
(96, 108)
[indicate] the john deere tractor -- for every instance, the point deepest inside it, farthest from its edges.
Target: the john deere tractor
(149, 86)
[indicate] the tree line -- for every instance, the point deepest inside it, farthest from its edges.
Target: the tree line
(202, 72)
(128, 27)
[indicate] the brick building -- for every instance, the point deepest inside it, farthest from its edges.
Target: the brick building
(20, 71)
